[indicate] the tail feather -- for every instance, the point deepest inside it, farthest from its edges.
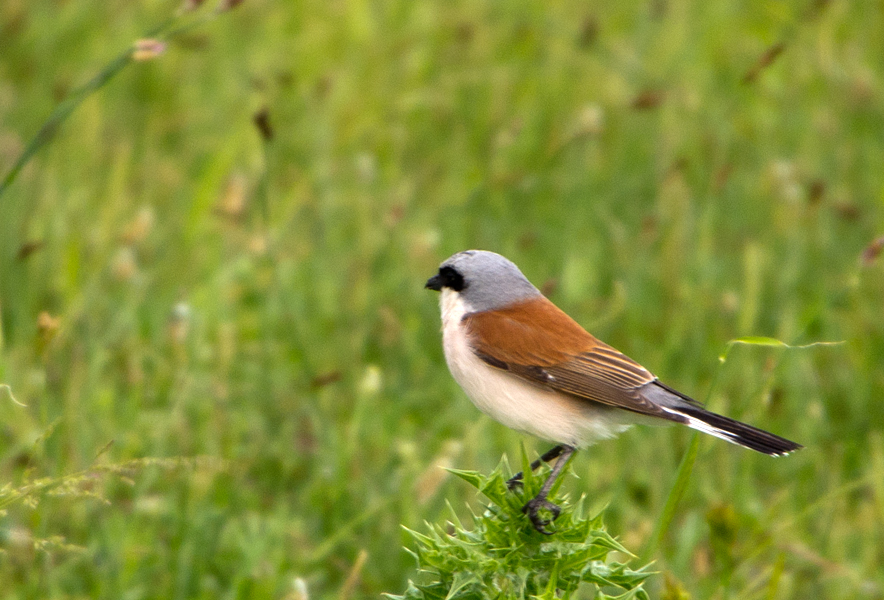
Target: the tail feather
(692, 414)
(735, 431)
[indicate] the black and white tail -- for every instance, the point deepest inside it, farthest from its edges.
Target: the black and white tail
(686, 410)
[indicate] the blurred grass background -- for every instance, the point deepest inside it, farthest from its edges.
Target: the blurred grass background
(674, 173)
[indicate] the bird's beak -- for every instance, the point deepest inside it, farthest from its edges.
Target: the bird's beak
(434, 283)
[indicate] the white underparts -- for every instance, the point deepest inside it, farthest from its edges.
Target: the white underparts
(516, 403)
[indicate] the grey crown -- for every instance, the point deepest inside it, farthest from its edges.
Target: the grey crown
(490, 280)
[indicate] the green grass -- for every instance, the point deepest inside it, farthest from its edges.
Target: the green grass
(613, 150)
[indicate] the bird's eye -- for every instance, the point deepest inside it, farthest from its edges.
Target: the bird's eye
(451, 279)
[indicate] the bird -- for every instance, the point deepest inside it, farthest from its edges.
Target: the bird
(528, 365)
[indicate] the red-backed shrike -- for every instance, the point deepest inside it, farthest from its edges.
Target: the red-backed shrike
(528, 365)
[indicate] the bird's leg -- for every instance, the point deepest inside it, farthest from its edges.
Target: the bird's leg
(552, 453)
(539, 501)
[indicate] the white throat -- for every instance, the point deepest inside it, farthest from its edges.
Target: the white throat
(453, 308)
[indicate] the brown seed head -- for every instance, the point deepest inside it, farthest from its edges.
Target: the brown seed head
(872, 251)
(147, 49)
(226, 5)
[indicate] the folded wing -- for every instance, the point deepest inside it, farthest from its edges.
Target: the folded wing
(535, 340)
(560, 355)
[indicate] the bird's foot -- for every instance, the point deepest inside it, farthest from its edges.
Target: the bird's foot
(515, 481)
(533, 508)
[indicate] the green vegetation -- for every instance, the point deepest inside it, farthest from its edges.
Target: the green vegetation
(225, 376)
(505, 557)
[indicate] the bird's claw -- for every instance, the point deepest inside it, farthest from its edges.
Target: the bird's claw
(532, 509)
(513, 482)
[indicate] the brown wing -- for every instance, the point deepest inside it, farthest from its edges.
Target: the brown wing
(538, 342)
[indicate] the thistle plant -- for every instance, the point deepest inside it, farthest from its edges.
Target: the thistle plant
(502, 556)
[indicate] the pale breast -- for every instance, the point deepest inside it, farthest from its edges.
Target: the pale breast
(515, 402)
